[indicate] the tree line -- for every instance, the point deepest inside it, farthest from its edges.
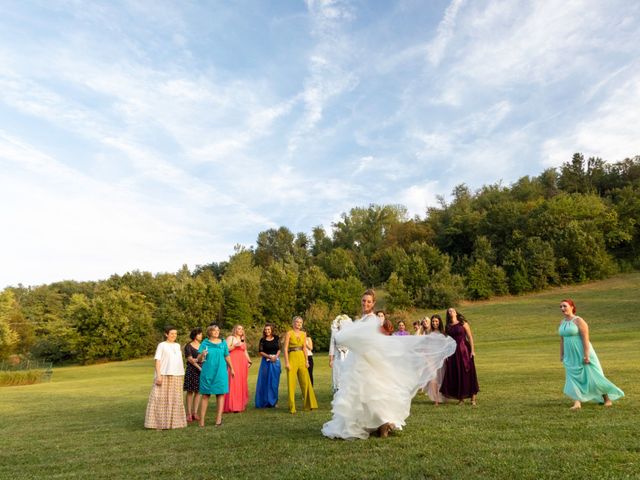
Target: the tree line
(576, 223)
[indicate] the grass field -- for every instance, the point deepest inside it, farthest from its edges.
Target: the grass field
(88, 421)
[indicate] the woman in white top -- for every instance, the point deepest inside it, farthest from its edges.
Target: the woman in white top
(308, 342)
(380, 376)
(432, 388)
(337, 353)
(165, 408)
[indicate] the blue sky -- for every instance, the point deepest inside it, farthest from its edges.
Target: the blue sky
(149, 134)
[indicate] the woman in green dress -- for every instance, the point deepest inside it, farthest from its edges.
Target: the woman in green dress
(585, 380)
(214, 380)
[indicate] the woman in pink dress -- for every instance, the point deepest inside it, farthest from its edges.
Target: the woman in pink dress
(238, 397)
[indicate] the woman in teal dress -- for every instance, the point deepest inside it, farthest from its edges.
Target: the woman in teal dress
(214, 380)
(585, 380)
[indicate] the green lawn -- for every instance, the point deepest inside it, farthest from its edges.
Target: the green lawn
(88, 421)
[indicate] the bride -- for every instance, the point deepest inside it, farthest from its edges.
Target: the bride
(380, 376)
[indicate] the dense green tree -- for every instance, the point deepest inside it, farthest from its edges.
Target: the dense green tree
(516, 267)
(364, 229)
(480, 280)
(274, 245)
(237, 304)
(44, 309)
(338, 263)
(456, 225)
(198, 302)
(402, 234)
(311, 283)
(398, 295)
(278, 295)
(343, 294)
(582, 255)
(241, 287)
(302, 250)
(445, 289)
(573, 176)
(415, 276)
(540, 263)
(627, 205)
(321, 243)
(9, 308)
(389, 260)
(11, 312)
(114, 325)
(217, 268)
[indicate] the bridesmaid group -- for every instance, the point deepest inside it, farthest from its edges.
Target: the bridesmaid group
(219, 367)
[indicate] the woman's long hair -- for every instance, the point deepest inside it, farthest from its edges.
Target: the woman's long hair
(459, 316)
(440, 324)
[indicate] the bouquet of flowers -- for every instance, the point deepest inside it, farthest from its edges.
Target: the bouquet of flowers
(340, 321)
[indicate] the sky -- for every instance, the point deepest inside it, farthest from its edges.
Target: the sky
(144, 135)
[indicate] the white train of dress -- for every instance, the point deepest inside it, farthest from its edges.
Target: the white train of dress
(432, 387)
(380, 377)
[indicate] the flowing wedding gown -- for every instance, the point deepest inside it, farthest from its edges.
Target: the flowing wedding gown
(380, 377)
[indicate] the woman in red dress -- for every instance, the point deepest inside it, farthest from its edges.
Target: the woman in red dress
(238, 397)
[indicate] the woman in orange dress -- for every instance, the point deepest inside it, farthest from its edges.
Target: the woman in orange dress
(238, 397)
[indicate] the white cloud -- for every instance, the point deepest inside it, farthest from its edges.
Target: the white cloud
(611, 132)
(418, 197)
(329, 65)
(59, 223)
(436, 48)
(155, 125)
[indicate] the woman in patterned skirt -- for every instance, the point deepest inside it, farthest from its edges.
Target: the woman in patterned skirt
(165, 408)
(192, 374)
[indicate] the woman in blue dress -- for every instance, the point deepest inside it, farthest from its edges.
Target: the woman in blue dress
(585, 380)
(214, 380)
(269, 373)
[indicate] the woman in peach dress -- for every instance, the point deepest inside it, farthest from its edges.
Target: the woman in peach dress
(238, 397)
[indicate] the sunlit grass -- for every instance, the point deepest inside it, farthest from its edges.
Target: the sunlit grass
(88, 421)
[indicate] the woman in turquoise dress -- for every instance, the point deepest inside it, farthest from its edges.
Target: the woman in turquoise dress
(214, 380)
(585, 380)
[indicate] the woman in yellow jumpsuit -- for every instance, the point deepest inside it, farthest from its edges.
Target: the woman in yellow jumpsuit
(296, 363)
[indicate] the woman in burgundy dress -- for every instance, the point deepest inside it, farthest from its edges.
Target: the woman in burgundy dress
(460, 380)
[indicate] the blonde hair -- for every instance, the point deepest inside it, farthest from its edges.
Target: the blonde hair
(235, 329)
(371, 293)
(293, 321)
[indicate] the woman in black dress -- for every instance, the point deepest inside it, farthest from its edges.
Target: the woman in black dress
(192, 374)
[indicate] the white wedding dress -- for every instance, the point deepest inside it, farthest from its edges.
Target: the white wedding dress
(380, 377)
